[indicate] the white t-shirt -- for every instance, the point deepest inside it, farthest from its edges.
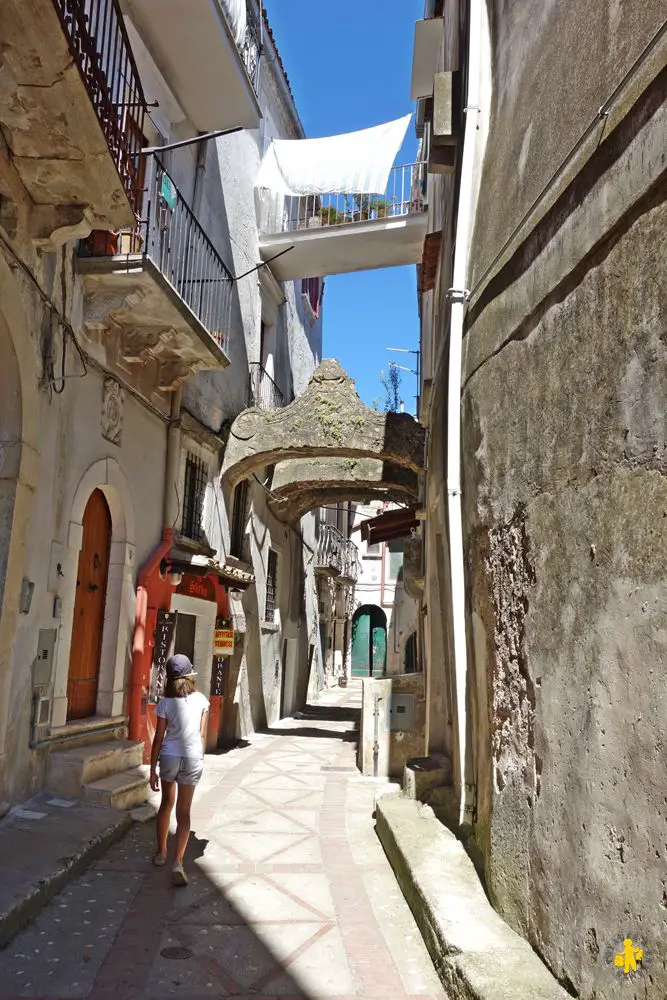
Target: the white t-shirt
(183, 715)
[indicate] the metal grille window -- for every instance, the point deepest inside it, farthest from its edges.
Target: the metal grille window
(271, 576)
(194, 489)
(238, 519)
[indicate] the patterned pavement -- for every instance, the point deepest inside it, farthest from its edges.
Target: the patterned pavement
(290, 893)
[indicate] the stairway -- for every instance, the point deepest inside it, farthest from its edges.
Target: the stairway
(105, 774)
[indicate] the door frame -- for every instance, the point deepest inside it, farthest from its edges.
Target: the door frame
(95, 640)
(107, 476)
(206, 613)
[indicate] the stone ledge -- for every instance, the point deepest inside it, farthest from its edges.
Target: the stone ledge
(61, 847)
(477, 955)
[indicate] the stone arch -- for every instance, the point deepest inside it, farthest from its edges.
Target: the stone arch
(107, 476)
(300, 485)
(327, 421)
(19, 466)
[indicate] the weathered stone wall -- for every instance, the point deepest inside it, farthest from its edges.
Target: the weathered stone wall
(565, 499)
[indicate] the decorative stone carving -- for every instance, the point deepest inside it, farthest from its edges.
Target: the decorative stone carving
(113, 401)
(51, 226)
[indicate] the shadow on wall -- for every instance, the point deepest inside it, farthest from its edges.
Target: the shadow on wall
(216, 397)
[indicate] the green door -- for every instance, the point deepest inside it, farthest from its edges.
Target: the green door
(369, 642)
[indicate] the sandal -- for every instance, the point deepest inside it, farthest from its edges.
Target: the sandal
(178, 875)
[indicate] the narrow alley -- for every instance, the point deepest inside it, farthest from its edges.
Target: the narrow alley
(290, 893)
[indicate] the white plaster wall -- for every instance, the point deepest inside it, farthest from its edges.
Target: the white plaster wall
(71, 444)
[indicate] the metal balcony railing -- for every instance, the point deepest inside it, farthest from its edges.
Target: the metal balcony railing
(245, 24)
(172, 238)
(262, 390)
(336, 556)
(101, 50)
(329, 556)
(251, 46)
(403, 196)
(350, 570)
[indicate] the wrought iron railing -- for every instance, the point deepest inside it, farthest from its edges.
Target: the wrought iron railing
(251, 45)
(404, 195)
(350, 570)
(336, 556)
(262, 390)
(101, 50)
(329, 556)
(170, 236)
(245, 25)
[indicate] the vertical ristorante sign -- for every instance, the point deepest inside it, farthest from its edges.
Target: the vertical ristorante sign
(164, 644)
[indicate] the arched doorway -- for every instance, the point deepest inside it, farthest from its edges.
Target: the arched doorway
(369, 642)
(89, 606)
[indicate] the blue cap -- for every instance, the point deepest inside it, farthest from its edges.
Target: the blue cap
(179, 665)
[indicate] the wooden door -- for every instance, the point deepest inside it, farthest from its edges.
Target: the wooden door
(91, 592)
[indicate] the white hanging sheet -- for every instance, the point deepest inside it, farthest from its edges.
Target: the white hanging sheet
(238, 18)
(353, 163)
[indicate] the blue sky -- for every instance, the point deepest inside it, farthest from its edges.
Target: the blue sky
(349, 65)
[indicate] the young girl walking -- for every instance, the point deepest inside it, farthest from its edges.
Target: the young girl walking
(178, 745)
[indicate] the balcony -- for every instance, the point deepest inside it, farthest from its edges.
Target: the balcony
(263, 392)
(340, 233)
(350, 571)
(208, 52)
(71, 116)
(157, 298)
(329, 556)
(336, 556)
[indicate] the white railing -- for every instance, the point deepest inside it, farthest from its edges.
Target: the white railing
(404, 195)
(336, 556)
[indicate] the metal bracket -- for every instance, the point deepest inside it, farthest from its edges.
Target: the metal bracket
(458, 294)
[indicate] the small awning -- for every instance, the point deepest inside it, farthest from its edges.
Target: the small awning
(233, 576)
(391, 525)
(199, 564)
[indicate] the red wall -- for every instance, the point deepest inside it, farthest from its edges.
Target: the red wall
(159, 593)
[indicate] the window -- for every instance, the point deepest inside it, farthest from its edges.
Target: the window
(312, 289)
(194, 490)
(271, 576)
(239, 519)
(394, 561)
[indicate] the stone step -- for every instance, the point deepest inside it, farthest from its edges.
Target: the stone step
(124, 790)
(69, 770)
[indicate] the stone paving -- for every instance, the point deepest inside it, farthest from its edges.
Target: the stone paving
(290, 893)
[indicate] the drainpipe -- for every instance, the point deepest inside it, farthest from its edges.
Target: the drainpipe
(171, 499)
(459, 296)
(138, 677)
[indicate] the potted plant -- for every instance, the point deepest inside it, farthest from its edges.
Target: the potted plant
(371, 207)
(330, 216)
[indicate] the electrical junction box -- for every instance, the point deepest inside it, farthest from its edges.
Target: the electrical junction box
(401, 712)
(42, 666)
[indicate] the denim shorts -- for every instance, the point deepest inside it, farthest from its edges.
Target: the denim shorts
(183, 770)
